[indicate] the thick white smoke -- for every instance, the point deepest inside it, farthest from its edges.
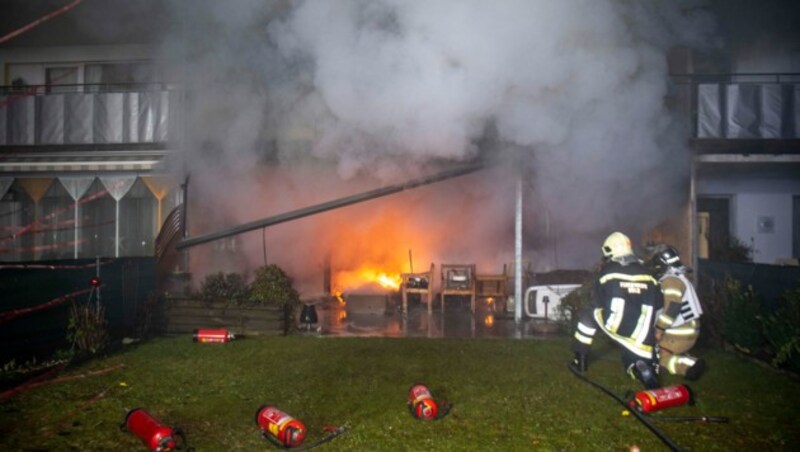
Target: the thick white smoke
(384, 87)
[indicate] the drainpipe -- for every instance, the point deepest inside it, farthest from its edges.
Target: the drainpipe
(330, 205)
(518, 253)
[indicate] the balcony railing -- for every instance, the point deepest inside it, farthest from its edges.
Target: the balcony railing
(88, 114)
(758, 106)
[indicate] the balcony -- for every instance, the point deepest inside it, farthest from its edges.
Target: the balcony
(742, 113)
(100, 114)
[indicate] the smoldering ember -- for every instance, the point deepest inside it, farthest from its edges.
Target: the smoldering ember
(577, 181)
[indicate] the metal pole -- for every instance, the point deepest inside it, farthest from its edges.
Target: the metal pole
(330, 205)
(116, 230)
(75, 231)
(518, 253)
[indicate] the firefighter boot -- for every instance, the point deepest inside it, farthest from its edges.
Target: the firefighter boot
(644, 372)
(580, 362)
(697, 369)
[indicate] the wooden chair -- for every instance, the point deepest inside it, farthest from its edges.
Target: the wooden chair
(417, 283)
(458, 280)
(492, 286)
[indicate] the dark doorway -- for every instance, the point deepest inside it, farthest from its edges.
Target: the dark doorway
(719, 231)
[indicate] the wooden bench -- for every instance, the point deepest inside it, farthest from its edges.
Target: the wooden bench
(183, 316)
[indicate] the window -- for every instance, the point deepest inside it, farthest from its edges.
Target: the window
(57, 224)
(97, 229)
(137, 213)
(106, 77)
(61, 79)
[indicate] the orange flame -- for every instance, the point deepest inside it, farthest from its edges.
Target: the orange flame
(359, 279)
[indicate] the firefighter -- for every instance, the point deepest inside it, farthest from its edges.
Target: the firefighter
(678, 321)
(624, 301)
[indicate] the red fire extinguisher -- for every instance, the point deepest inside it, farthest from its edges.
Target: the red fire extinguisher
(155, 435)
(280, 428)
(209, 336)
(422, 405)
(658, 399)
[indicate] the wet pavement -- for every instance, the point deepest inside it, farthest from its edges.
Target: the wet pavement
(340, 319)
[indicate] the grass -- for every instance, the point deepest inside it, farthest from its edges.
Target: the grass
(507, 395)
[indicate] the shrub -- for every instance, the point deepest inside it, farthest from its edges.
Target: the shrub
(145, 314)
(229, 287)
(736, 251)
(741, 310)
(87, 328)
(782, 332)
(271, 286)
(712, 294)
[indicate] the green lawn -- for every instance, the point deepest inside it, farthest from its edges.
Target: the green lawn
(506, 395)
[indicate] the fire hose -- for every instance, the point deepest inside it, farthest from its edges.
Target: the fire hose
(333, 432)
(38, 21)
(641, 417)
(641, 411)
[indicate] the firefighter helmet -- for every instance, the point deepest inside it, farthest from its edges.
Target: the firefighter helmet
(665, 257)
(616, 246)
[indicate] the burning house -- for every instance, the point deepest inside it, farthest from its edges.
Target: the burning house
(287, 130)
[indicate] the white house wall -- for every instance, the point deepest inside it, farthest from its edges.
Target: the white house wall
(754, 199)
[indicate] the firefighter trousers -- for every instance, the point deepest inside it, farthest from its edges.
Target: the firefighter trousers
(674, 344)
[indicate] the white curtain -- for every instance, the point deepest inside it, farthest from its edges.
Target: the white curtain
(76, 187)
(117, 187)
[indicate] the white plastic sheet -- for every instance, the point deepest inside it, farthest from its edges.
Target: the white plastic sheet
(773, 111)
(796, 103)
(147, 116)
(108, 117)
(163, 117)
(78, 113)
(709, 116)
(22, 113)
(742, 114)
(132, 117)
(51, 130)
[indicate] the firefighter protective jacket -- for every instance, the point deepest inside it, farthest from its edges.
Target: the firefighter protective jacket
(624, 302)
(681, 303)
